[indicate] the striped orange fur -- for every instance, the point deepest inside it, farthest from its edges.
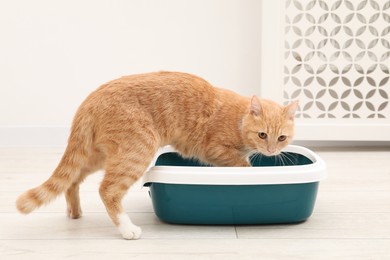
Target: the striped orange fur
(120, 126)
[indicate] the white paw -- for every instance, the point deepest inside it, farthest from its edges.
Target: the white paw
(133, 233)
(127, 228)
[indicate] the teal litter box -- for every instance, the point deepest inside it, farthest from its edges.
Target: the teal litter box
(273, 191)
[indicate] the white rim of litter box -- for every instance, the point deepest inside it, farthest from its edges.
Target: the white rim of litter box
(239, 175)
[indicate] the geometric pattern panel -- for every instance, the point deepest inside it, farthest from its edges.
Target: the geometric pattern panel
(337, 58)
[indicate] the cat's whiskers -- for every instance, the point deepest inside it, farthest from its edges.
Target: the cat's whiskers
(279, 158)
(285, 155)
(258, 155)
(248, 154)
(291, 157)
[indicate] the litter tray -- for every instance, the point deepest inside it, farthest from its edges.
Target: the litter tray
(273, 191)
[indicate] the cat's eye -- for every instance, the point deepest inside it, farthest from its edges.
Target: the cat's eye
(262, 135)
(282, 138)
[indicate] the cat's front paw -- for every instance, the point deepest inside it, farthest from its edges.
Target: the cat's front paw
(127, 228)
(133, 233)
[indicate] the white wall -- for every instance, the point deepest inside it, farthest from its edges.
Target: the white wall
(53, 53)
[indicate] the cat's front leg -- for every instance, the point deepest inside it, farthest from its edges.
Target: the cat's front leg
(226, 156)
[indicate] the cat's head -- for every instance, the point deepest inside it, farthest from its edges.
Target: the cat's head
(268, 127)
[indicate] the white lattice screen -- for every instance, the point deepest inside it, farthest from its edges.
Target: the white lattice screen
(336, 60)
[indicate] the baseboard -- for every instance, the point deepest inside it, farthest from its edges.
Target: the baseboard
(34, 135)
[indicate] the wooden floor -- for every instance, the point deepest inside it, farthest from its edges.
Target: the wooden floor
(351, 219)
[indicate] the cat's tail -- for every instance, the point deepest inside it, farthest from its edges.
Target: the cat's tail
(74, 159)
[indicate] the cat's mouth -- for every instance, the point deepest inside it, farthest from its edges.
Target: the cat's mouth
(269, 152)
(276, 153)
(265, 152)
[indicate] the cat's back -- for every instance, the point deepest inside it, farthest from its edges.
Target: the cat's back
(159, 81)
(161, 94)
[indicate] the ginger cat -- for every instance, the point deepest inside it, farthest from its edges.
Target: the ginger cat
(122, 124)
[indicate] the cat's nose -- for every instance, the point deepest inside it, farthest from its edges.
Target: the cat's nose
(271, 150)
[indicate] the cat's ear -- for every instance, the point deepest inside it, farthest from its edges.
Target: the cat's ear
(291, 109)
(255, 106)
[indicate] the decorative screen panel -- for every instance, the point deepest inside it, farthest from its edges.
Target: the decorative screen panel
(336, 58)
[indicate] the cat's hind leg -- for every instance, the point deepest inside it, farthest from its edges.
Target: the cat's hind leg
(95, 162)
(126, 163)
(73, 198)
(73, 201)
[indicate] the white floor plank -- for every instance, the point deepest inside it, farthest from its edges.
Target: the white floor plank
(99, 226)
(325, 226)
(224, 249)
